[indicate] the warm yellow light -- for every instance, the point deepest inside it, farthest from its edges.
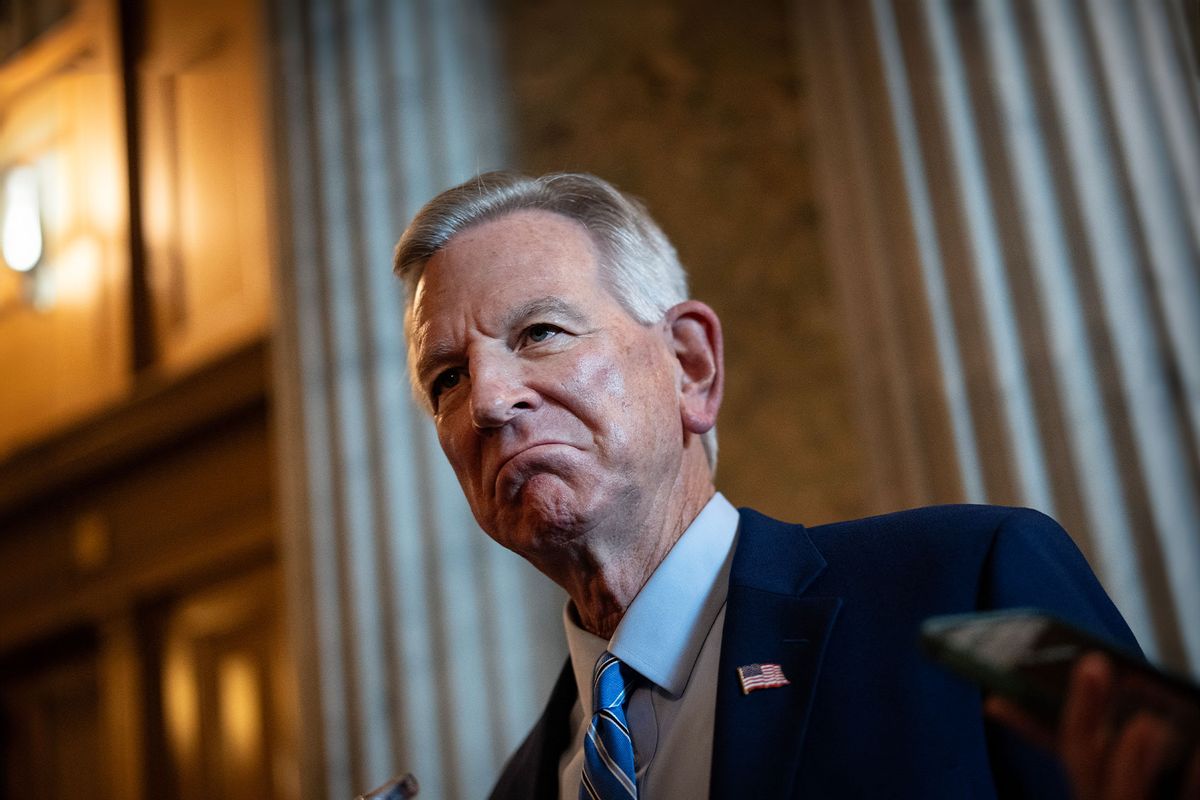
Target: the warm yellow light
(181, 699)
(75, 272)
(21, 236)
(241, 723)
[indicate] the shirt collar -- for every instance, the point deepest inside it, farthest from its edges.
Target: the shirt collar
(665, 626)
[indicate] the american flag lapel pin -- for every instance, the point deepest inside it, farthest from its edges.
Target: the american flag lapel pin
(761, 676)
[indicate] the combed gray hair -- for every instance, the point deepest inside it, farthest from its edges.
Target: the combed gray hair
(637, 261)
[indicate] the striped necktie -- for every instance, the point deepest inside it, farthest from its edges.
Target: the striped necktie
(608, 771)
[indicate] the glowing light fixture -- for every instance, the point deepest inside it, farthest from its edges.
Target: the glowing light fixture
(21, 232)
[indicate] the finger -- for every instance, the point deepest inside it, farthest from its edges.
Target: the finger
(1084, 730)
(1013, 716)
(1137, 757)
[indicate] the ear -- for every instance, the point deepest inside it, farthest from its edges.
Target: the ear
(695, 335)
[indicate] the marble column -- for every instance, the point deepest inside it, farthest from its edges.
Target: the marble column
(1013, 197)
(420, 644)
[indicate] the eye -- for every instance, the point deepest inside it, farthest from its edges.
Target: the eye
(541, 332)
(447, 379)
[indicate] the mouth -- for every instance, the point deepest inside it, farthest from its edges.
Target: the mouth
(514, 459)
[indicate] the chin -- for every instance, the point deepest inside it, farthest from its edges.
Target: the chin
(547, 514)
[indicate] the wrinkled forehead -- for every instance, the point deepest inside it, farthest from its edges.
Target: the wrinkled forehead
(497, 259)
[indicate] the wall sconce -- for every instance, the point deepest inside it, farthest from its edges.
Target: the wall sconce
(21, 228)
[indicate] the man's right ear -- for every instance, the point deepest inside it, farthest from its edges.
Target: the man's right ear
(695, 332)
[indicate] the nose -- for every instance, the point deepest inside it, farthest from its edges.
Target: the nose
(499, 392)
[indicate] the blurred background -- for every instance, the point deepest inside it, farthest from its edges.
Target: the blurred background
(954, 245)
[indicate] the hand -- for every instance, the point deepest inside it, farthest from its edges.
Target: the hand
(1104, 761)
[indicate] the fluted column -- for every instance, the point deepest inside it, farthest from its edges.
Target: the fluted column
(1012, 189)
(421, 645)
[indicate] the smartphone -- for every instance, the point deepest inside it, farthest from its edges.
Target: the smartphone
(1027, 656)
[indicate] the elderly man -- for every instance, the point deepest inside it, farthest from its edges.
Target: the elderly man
(713, 652)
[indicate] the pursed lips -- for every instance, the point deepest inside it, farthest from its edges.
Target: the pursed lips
(521, 450)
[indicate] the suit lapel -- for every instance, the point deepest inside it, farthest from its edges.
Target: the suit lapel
(758, 737)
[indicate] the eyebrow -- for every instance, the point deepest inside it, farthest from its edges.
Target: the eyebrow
(548, 306)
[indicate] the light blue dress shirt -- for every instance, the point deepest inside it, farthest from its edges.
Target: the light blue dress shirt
(671, 636)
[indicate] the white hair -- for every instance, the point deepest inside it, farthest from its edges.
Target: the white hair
(637, 262)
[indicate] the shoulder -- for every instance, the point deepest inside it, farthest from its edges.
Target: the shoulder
(934, 557)
(933, 535)
(1002, 555)
(955, 522)
(943, 559)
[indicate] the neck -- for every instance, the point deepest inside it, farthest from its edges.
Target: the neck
(608, 573)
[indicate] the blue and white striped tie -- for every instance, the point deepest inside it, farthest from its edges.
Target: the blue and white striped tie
(608, 770)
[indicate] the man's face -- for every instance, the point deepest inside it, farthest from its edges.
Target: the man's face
(558, 411)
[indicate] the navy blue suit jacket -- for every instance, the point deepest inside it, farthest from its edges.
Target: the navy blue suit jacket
(865, 715)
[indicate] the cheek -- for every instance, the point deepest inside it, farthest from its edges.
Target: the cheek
(458, 449)
(597, 385)
(626, 396)
(610, 385)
